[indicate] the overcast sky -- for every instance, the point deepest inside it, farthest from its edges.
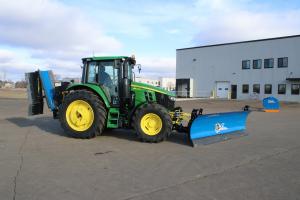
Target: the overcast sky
(51, 34)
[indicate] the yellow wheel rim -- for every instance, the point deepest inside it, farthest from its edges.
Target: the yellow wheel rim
(151, 124)
(80, 115)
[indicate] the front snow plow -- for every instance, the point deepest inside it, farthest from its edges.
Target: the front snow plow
(210, 128)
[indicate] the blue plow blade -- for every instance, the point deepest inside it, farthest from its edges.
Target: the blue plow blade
(217, 124)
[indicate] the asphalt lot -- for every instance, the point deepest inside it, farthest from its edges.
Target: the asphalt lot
(37, 161)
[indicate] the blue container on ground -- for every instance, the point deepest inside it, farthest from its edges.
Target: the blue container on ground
(271, 104)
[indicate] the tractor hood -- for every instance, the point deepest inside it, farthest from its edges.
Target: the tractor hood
(152, 88)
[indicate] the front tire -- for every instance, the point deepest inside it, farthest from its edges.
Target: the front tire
(82, 115)
(152, 123)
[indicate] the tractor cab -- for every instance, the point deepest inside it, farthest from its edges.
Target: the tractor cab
(112, 74)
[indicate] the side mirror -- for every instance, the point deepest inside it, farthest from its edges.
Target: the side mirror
(139, 66)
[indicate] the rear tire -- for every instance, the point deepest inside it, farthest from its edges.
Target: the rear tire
(82, 114)
(152, 123)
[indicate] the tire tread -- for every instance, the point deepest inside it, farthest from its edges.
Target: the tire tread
(99, 112)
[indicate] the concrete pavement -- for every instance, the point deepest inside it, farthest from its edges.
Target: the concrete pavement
(37, 161)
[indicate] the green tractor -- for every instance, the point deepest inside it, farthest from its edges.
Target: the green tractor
(108, 97)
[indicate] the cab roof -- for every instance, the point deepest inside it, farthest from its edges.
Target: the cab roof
(99, 58)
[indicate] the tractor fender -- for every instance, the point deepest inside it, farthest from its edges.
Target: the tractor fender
(93, 88)
(132, 112)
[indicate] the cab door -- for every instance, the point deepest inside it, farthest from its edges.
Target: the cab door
(108, 79)
(105, 74)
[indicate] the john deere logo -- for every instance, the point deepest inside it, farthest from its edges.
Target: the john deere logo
(220, 127)
(271, 101)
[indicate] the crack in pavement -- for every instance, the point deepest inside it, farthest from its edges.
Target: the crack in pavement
(16, 177)
(204, 176)
(20, 152)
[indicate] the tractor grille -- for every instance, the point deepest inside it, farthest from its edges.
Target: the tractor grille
(165, 101)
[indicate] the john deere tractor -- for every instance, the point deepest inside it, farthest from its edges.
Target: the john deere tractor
(108, 97)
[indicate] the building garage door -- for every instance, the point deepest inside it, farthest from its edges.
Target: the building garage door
(222, 89)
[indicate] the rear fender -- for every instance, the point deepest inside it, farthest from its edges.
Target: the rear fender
(93, 88)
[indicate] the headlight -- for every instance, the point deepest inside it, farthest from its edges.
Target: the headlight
(172, 98)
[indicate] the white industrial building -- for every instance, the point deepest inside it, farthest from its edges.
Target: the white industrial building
(241, 70)
(166, 83)
(150, 81)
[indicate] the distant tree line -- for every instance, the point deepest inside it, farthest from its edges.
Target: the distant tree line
(21, 84)
(18, 84)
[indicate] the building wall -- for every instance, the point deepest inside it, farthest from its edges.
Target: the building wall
(207, 65)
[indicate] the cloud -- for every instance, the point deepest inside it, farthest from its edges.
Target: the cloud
(56, 36)
(14, 65)
(64, 68)
(49, 33)
(227, 21)
(157, 66)
(139, 19)
(49, 26)
(125, 23)
(5, 56)
(173, 31)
